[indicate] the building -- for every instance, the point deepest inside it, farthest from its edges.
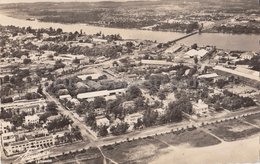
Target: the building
(247, 55)
(99, 40)
(132, 118)
(5, 126)
(65, 97)
(102, 93)
(128, 104)
(29, 142)
(173, 49)
(92, 94)
(31, 120)
(99, 111)
(160, 111)
(7, 138)
(208, 76)
(38, 105)
(158, 62)
(102, 121)
(201, 53)
(249, 77)
(200, 108)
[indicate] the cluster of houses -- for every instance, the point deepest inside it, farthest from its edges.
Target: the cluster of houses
(21, 140)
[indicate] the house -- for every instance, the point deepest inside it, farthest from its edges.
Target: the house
(247, 55)
(65, 97)
(75, 101)
(31, 119)
(99, 111)
(99, 40)
(160, 111)
(208, 76)
(102, 121)
(128, 104)
(51, 118)
(132, 118)
(200, 108)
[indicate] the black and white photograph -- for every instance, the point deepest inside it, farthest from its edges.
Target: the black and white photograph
(129, 81)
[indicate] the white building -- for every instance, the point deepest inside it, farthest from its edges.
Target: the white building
(102, 121)
(132, 118)
(200, 108)
(8, 138)
(160, 111)
(31, 119)
(247, 55)
(5, 125)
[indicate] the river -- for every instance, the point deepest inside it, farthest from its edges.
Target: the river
(223, 41)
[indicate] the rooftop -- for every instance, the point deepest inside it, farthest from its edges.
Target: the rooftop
(235, 72)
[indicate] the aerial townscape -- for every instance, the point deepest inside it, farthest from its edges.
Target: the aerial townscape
(99, 96)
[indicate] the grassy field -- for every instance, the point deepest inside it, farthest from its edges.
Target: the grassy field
(253, 119)
(194, 138)
(136, 151)
(232, 130)
(89, 156)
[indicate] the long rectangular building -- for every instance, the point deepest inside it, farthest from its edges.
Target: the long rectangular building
(249, 79)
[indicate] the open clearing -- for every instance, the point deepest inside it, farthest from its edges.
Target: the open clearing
(194, 138)
(232, 130)
(134, 151)
(253, 119)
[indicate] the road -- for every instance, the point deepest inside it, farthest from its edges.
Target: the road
(64, 111)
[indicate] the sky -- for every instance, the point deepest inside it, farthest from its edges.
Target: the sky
(30, 1)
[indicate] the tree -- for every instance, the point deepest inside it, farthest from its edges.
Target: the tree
(119, 128)
(99, 102)
(29, 79)
(39, 90)
(6, 78)
(138, 124)
(196, 60)
(52, 107)
(26, 61)
(76, 61)
(134, 92)
(59, 30)
(161, 96)
(174, 112)
(102, 130)
(12, 80)
(150, 117)
(46, 84)
(194, 46)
